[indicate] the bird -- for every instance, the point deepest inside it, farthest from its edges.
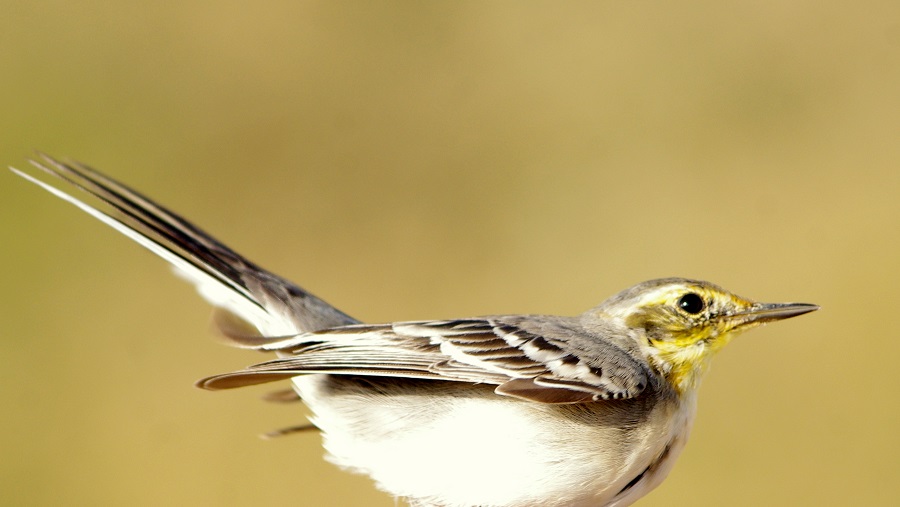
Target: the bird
(494, 411)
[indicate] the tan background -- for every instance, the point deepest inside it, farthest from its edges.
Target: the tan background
(425, 160)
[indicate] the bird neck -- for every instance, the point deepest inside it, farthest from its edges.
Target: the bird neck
(683, 366)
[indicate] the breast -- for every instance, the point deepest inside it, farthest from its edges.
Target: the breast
(451, 443)
(660, 462)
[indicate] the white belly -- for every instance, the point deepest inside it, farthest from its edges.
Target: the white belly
(469, 446)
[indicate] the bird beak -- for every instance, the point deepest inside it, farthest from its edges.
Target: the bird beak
(761, 313)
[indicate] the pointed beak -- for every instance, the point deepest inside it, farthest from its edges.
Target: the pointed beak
(761, 313)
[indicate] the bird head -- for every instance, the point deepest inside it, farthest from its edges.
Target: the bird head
(681, 323)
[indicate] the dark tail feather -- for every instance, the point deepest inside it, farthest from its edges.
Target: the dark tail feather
(275, 306)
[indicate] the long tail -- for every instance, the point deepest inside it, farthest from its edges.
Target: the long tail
(273, 305)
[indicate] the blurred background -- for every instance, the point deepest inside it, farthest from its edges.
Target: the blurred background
(412, 160)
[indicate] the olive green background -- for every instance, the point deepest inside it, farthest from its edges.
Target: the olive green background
(411, 160)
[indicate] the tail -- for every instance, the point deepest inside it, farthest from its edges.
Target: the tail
(243, 291)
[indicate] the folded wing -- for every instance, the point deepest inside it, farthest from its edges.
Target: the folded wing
(489, 350)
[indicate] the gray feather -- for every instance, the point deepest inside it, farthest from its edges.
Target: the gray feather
(540, 358)
(505, 351)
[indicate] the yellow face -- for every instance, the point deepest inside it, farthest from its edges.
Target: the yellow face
(681, 315)
(686, 321)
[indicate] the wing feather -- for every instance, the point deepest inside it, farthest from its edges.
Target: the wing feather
(520, 362)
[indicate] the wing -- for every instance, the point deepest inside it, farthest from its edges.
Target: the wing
(504, 351)
(273, 305)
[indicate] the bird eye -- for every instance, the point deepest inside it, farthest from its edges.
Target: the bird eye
(691, 303)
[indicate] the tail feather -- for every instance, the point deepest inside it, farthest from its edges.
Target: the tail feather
(273, 305)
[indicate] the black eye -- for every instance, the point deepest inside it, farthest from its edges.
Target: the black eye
(691, 303)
